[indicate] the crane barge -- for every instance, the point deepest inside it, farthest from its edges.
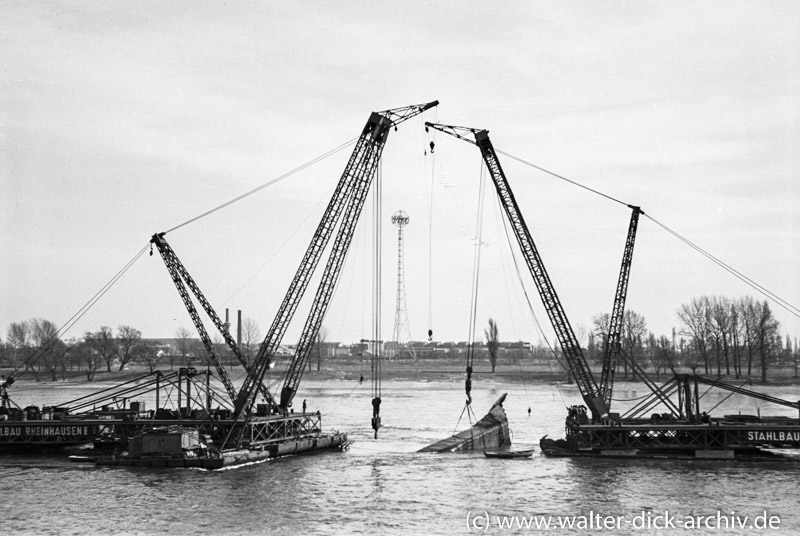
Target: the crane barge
(592, 429)
(252, 431)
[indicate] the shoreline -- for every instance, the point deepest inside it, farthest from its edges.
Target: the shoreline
(421, 370)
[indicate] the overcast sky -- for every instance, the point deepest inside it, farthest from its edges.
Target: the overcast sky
(122, 119)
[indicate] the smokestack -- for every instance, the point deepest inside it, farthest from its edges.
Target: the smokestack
(239, 329)
(227, 320)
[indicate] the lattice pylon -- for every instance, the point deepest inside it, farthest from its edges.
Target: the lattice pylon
(401, 335)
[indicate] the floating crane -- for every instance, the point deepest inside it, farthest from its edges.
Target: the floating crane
(345, 204)
(683, 433)
(274, 423)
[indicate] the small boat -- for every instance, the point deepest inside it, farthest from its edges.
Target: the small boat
(75, 458)
(508, 454)
(557, 448)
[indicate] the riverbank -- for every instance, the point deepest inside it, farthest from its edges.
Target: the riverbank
(352, 369)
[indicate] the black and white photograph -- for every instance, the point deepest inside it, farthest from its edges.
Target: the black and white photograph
(420, 267)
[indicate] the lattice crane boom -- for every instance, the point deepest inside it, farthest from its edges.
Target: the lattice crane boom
(179, 274)
(330, 277)
(558, 318)
(356, 177)
(614, 337)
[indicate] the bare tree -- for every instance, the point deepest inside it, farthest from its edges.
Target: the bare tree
(251, 334)
(748, 318)
(184, 337)
(128, 339)
(737, 336)
(695, 318)
(492, 342)
(102, 344)
(767, 331)
(64, 355)
(86, 354)
(601, 325)
(634, 329)
(19, 337)
(147, 352)
(50, 349)
(720, 331)
(661, 354)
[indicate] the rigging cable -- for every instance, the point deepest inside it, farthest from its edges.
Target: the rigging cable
(364, 262)
(277, 250)
(499, 224)
(266, 184)
(632, 399)
(747, 382)
(51, 341)
(430, 235)
(780, 301)
(556, 175)
(376, 305)
(476, 268)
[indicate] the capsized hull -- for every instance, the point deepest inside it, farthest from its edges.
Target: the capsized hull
(491, 432)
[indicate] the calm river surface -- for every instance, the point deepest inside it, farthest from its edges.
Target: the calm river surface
(384, 487)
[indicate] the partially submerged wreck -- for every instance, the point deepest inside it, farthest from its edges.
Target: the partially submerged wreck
(491, 432)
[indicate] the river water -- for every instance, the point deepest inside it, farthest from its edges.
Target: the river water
(384, 487)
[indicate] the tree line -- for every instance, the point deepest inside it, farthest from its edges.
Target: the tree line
(717, 335)
(34, 346)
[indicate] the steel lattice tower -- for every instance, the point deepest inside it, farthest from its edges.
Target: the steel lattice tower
(402, 332)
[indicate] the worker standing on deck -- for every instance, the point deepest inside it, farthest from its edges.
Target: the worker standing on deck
(304, 405)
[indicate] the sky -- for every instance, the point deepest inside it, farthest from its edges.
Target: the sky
(122, 119)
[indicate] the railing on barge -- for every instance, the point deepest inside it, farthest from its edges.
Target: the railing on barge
(717, 434)
(35, 427)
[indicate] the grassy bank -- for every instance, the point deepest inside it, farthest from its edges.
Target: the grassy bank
(352, 369)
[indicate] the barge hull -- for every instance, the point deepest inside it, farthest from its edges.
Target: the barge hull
(232, 458)
(714, 440)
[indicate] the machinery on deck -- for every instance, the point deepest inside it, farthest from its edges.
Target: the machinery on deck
(106, 418)
(684, 431)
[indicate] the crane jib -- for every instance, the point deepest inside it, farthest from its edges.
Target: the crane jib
(613, 338)
(180, 275)
(377, 129)
(566, 337)
(354, 181)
